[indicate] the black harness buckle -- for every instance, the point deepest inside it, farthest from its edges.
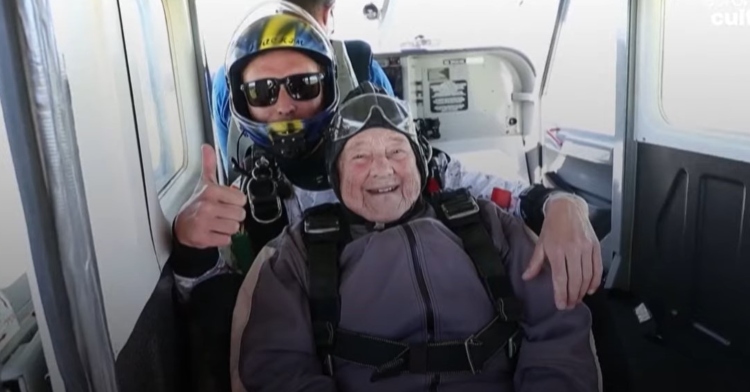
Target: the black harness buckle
(328, 364)
(509, 309)
(458, 204)
(322, 224)
(391, 358)
(276, 216)
(454, 211)
(468, 344)
(514, 345)
(324, 335)
(262, 189)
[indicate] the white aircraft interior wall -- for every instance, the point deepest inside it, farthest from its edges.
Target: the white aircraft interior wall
(483, 101)
(470, 94)
(90, 41)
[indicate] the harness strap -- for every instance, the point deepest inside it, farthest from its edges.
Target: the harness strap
(391, 358)
(323, 236)
(255, 235)
(434, 183)
(263, 185)
(460, 212)
(262, 182)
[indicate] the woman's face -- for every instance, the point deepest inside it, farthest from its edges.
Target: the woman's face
(379, 177)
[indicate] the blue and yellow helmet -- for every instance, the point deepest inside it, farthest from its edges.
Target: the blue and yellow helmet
(271, 26)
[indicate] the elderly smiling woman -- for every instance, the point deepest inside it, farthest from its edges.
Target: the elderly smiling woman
(393, 292)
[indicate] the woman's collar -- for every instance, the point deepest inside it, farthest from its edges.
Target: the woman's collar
(416, 210)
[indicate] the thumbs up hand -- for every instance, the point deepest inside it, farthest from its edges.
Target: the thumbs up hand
(209, 165)
(214, 213)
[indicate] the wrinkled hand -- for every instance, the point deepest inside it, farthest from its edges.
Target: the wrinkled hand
(568, 241)
(214, 212)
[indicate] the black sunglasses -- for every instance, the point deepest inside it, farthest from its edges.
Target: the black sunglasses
(265, 92)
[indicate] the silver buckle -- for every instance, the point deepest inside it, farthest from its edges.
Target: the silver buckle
(501, 309)
(451, 216)
(329, 364)
(267, 221)
(467, 342)
(512, 346)
(310, 229)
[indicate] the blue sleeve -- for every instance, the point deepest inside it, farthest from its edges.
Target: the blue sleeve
(378, 78)
(220, 112)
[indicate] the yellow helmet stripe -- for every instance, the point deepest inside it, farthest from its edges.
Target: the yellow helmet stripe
(279, 31)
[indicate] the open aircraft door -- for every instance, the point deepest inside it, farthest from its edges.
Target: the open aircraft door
(588, 162)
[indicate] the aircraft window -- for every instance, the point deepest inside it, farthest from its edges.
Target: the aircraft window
(581, 88)
(154, 87)
(705, 64)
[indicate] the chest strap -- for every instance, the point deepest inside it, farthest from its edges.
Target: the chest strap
(325, 237)
(391, 358)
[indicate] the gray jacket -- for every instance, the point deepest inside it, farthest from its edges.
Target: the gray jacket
(380, 296)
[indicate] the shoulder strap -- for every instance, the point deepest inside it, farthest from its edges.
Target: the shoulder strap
(266, 212)
(324, 237)
(345, 77)
(235, 148)
(360, 55)
(458, 210)
(247, 244)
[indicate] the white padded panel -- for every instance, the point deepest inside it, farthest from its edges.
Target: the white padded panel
(496, 84)
(470, 92)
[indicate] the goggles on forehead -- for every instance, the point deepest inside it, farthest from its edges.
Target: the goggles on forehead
(371, 111)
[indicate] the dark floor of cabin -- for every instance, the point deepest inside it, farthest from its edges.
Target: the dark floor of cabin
(689, 362)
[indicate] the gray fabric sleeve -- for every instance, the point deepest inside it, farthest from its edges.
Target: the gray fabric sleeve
(556, 352)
